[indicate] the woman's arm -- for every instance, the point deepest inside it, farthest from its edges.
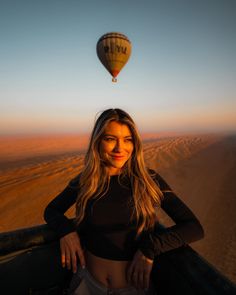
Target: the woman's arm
(54, 212)
(187, 227)
(71, 250)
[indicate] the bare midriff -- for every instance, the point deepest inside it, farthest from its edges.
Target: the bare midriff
(110, 273)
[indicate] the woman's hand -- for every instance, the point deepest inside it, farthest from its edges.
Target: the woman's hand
(71, 250)
(139, 271)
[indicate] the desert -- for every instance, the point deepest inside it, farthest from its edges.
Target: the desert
(200, 168)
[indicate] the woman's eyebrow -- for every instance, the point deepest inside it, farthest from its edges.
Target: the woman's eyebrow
(108, 134)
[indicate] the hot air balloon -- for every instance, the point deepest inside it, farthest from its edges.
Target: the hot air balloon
(113, 50)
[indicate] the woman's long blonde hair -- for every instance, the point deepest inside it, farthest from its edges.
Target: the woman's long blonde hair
(94, 178)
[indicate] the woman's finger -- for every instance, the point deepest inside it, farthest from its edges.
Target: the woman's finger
(81, 257)
(146, 280)
(74, 262)
(63, 255)
(140, 280)
(130, 272)
(68, 258)
(135, 276)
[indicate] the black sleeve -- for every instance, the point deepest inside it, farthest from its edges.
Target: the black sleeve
(187, 228)
(54, 212)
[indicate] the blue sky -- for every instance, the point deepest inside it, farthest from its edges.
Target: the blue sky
(180, 77)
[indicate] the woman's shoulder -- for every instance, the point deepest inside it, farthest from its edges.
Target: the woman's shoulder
(159, 180)
(151, 172)
(75, 182)
(154, 175)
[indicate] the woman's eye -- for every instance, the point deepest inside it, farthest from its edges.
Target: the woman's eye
(111, 139)
(108, 139)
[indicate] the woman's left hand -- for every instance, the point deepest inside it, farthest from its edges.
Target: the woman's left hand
(138, 273)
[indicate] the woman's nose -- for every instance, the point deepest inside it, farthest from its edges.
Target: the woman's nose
(118, 146)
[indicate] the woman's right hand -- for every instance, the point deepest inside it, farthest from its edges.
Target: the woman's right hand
(71, 250)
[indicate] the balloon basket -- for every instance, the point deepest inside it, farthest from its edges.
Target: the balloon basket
(114, 80)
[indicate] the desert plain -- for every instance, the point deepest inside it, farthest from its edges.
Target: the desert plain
(200, 168)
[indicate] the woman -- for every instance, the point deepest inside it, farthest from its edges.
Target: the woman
(112, 245)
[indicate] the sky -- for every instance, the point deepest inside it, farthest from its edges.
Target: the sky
(181, 75)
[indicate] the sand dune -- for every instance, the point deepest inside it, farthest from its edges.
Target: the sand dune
(201, 169)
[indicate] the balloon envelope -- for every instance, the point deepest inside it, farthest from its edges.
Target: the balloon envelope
(113, 50)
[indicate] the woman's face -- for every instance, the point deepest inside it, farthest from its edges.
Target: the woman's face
(116, 146)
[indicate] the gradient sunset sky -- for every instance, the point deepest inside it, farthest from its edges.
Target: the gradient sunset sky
(181, 75)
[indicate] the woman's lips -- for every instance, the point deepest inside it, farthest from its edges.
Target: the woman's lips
(118, 157)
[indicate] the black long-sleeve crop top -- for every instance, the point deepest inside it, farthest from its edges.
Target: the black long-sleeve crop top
(107, 230)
